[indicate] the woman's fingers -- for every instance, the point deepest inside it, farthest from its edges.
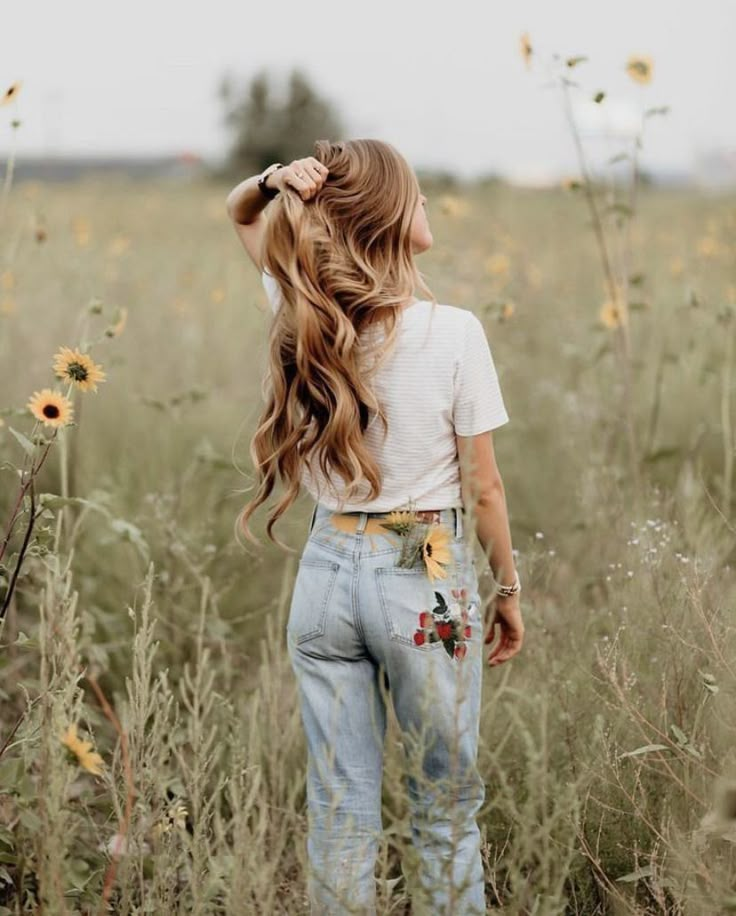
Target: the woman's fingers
(317, 169)
(308, 176)
(509, 644)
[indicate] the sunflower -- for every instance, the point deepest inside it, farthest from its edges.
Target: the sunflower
(10, 93)
(435, 551)
(78, 368)
(401, 521)
(82, 750)
(610, 315)
(51, 407)
(640, 69)
(176, 816)
(525, 47)
(497, 265)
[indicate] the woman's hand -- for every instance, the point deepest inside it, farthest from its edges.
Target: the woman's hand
(508, 617)
(304, 175)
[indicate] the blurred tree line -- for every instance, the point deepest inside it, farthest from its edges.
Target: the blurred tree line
(267, 125)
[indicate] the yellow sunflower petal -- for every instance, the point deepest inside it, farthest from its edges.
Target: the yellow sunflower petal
(434, 570)
(70, 735)
(11, 93)
(525, 46)
(78, 368)
(92, 762)
(639, 68)
(51, 407)
(436, 551)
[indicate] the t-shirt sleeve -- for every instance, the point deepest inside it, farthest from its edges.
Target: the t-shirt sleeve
(270, 284)
(478, 401)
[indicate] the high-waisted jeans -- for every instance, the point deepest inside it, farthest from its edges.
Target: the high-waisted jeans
(352, 629)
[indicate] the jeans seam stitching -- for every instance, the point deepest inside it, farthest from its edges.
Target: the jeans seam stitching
(321, 625)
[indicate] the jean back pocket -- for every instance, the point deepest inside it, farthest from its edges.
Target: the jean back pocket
(313, 587)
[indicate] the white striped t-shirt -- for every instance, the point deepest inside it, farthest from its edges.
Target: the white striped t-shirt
(439, 381)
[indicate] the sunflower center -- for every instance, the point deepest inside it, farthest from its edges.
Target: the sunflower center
(51, 411)
(77, 371)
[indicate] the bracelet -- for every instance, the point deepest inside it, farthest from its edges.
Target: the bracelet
(267, 192)
(506, 591)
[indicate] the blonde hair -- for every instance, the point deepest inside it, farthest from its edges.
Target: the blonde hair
(344, 264)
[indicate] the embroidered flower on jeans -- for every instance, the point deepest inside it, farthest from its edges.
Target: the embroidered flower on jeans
(448, 623)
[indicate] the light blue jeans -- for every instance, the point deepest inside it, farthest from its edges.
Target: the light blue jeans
(351, 631)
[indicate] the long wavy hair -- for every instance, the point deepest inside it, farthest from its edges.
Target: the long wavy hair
(344, 264)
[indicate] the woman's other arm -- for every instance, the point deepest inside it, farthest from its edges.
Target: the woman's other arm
(484, 499)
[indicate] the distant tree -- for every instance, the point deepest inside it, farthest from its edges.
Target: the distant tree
(265, 130)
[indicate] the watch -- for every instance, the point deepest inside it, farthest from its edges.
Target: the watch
(267, 192)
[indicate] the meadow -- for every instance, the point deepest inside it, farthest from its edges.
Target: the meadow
(607, 745)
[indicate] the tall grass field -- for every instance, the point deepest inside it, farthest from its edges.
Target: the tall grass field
(152, 759)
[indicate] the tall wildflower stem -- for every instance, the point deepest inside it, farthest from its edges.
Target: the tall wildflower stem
(617, 291)
(729, 445)
(109, 879)
(26, 485)
(64, 481)
(8, 179)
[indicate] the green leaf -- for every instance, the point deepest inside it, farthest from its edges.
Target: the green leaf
(7, 838)
(130, 532)
(30, 820)
(645, 872)
(574, 61)
(54, 501)
(645, 749)
(604, 348)
(662, 453)
(680, 736)
(598, 97)
(154, 402)
(12, 771)
(618, 207)
(28, 446)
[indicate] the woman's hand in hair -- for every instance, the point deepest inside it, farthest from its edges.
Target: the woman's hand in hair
(304, 175)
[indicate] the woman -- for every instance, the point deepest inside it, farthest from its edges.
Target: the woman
(382, 405)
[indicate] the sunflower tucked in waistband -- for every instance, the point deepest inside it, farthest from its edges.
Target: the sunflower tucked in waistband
(428, 540)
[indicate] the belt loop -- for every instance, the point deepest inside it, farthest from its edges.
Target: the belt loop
(459, 527)
(362, 522)
(314, 516)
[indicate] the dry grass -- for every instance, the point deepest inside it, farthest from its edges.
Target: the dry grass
(607, 746)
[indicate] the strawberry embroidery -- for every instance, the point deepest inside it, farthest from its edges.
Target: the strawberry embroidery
(448, 623)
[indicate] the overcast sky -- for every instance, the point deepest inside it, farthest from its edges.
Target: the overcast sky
(444, 82)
